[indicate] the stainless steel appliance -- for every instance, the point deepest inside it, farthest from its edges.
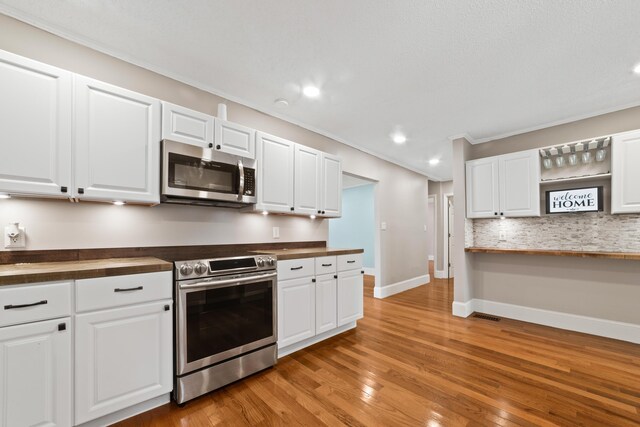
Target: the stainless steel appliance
(203, 176)
(225, 321)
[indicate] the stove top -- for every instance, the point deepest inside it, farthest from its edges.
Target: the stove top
(244, 263)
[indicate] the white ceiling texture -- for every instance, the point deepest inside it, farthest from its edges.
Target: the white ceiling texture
(428, 69)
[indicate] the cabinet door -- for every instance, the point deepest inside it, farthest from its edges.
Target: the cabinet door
(482, 188)
(117, 143)
(235, 139)
(307, 180)
(350, 296)
(184, 125)
(326, 303)
(35, 127)
(275, 173)
(625, 173)
(35, 374)
(519, 183)
(331, 191)
(123, 357)
(296, 310)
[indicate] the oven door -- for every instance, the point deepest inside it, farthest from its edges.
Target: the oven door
(222, 317)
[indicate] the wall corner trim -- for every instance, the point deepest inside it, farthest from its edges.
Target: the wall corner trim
(440, 274)
(573, 322)
(396, 288)
(462, 309)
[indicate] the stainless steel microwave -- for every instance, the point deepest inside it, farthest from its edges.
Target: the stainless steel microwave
(203, 176)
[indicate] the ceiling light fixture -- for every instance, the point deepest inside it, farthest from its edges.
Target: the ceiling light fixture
(434, 162)
(636, 69)
(311, 91)
(281, 102)
(399, 139)
(4, 196)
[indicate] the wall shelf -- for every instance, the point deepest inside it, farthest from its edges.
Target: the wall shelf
(586, 178)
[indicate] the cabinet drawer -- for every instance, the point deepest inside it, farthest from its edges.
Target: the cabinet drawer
(40, 301)
(326, 265)
(349, 262)
(294, 268)
(107, 292)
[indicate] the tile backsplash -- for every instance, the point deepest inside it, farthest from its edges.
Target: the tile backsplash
(580, 232)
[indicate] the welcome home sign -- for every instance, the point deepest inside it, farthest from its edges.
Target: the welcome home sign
(574, 200)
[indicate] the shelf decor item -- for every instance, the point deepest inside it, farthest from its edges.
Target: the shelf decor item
(574, 200)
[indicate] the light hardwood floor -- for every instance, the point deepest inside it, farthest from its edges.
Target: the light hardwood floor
(410, 362)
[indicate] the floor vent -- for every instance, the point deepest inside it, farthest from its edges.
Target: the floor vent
(487, 317)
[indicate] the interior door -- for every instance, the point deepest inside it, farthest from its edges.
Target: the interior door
(450, 234)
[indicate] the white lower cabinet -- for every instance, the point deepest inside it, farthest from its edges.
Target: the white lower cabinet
(35, 374)
(326, 303)
(350, 284)
(296, 310)
(123, 357)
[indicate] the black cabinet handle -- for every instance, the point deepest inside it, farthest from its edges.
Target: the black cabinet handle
(63, 189)
(210, 145)
(327, 265)
(296, 268)
(62, 326)
(80, 190)
(323, 212)
(319, 211)
(362, 272)
(351, 262)
(495, 213)
(335, 276)
(12, 306)
(501, 213)
(139, 288)
(218, 147)
(313, 280)
(167, 307)
(292, 208)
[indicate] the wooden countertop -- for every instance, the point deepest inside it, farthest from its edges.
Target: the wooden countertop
(551, 252)
(284, 254)
(14, 274)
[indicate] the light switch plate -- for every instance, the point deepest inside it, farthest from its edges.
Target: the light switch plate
(502, 236)
(383, 226)
(20, 242)
(276, 232)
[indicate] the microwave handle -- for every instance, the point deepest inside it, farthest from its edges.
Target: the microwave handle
(241, 186)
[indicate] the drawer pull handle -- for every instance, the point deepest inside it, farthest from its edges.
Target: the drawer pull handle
(10, 306)
(139, 288)
(327, 265)
(296, 268)
(351, 262)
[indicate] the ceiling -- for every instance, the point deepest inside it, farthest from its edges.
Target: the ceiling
(431, 70)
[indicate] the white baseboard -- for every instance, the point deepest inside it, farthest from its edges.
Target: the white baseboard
(395, 288)
(430, 257)
(572, 322)
(440, 274)
(370, 271)
(313, 340)
(129, 412)
(462, 309)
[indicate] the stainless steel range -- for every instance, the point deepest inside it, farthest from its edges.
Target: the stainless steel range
(225, 321)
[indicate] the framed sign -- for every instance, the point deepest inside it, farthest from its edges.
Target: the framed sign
(587, 199)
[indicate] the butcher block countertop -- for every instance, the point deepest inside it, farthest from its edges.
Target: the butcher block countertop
(578, 254)
(15, 274)
(284, 254)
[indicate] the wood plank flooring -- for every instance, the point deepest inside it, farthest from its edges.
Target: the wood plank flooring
(410, 362)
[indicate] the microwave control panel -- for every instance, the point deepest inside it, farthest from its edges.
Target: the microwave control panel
(249, 182)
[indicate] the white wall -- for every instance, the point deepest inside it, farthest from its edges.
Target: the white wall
(400, 193)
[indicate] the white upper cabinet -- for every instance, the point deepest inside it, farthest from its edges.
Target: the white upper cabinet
(625, 173)
(331, 188)
(235, 139)
(483, 188)
(307, 165)
(117, 143)
(35, 127)
(519, 184)
(507, 185)
(275, 173)
(181, 124)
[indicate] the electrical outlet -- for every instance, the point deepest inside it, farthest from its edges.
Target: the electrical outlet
(425, 228)
(502, 236)
(276, 232)
(15, 237)
(383, 226)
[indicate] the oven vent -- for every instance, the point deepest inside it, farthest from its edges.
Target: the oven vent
(487, 317)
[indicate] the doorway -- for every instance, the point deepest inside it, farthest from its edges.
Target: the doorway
(448, 237)
(431, 234)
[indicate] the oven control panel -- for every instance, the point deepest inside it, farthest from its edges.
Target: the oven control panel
(222, 266)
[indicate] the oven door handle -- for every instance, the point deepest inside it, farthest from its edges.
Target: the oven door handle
(241, 186)
(227, 282)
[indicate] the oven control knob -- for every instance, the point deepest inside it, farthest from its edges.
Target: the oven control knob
(260, 262)
(200, 268)
(271, 261)
(186, 269)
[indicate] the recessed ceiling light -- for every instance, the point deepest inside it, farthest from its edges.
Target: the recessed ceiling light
(636, 69)
(4, 196)
(399, 139)
(311, 91)
(281, 102)
(434, 162)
